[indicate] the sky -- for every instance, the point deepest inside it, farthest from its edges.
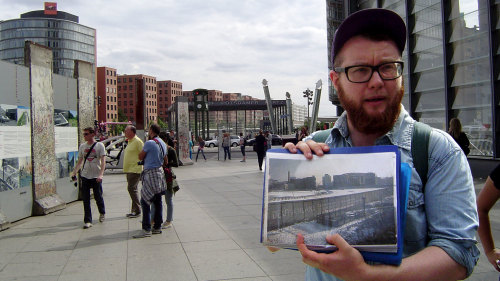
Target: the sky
(382, 164)
(214, 44)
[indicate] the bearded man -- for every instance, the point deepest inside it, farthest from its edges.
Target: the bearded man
(441, 220)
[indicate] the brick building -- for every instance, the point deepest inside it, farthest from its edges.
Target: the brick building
(133, 92)
(107, 109)
(167, 91)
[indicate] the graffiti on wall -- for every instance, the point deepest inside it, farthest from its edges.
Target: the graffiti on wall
(183, 131)
(42, 111)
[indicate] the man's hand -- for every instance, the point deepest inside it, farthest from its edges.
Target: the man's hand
(308, 148)
(99, 179)
(346, 263)
(494, 257)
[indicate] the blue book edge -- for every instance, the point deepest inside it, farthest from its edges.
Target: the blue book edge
(403, 175)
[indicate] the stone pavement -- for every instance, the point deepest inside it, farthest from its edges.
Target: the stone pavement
(215, 235)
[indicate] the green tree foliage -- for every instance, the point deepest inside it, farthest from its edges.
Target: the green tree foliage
(162, 124)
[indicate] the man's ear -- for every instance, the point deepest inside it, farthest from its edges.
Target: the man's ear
(334, 76)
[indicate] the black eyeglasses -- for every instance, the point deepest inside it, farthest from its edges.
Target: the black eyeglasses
(363, 73)
(86, 134)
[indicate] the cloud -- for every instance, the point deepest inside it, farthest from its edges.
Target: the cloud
(219, 44)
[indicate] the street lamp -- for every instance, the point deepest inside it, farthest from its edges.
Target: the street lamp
(308, 95)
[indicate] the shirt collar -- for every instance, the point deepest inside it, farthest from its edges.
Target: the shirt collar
(399, 135)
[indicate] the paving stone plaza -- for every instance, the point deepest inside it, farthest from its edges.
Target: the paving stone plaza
(215, 234)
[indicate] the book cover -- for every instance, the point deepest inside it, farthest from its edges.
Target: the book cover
(355, 192)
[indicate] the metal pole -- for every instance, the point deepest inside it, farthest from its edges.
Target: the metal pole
(289, 116)
(317, 97)
(269, 105)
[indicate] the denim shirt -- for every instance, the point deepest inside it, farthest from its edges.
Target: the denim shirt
(445, 215)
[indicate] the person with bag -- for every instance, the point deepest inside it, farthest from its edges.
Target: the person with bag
(170, 177)
(154, 154)
(93, 155)
(441, 220)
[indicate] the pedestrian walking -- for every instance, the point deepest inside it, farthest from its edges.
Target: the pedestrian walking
(226, 144)
(93, 163)
(260, 148)
(132, 169)
(170, 179)
(154, 153)
(201, 147)
(242, 147)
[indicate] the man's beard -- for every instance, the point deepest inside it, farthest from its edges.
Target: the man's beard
(379, 123)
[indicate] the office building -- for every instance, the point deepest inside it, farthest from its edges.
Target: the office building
(451, 65)
(61, 31)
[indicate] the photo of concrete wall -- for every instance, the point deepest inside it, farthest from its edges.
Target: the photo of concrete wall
(62, 165)
(25, 172)
(334, 194)
(9, 174)
(8, 115)
(23, 116)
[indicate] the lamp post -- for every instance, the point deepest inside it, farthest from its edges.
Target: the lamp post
(308, 95)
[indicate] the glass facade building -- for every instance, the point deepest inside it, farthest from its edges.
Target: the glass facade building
(68, 39)
(452, 64)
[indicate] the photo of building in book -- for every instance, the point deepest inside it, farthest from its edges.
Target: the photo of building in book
(318, 198)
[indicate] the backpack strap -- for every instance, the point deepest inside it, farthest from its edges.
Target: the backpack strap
(321, 136)
(420, 149)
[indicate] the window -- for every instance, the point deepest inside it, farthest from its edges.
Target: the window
(125, 110)
(131, 110)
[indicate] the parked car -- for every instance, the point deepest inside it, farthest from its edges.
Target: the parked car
(277, 140)
(212, 143)
(235, 141)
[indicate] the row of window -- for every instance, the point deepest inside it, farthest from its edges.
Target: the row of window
(111, 73)
(43, 33)
(110, 81)
(130, 79)
(44, 23)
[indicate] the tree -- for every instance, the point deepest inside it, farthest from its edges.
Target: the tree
(121, 118)
(162, 124)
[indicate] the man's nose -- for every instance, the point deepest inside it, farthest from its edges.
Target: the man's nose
(375, 80)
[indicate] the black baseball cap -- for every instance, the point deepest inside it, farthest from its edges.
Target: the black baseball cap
(367, 21)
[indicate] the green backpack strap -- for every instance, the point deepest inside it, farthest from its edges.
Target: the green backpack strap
(420, 149)
(321, 136)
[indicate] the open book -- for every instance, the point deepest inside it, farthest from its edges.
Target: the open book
(356, 192)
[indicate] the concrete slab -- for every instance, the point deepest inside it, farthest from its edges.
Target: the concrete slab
(159, 262)
(95, 268)
(227, 264)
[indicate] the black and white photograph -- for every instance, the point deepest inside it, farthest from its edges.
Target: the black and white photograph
(353, 195)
